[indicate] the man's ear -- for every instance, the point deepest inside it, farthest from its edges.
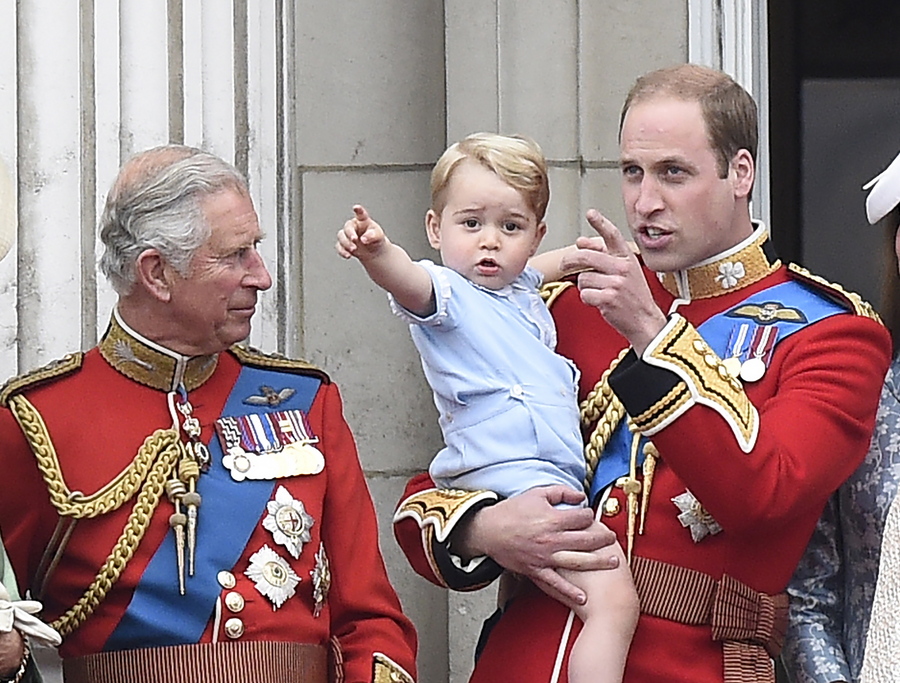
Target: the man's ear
(743, 172)
(154, 274)
(433, 228)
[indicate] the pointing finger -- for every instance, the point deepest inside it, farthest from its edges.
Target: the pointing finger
(615, 243)
(361, 214)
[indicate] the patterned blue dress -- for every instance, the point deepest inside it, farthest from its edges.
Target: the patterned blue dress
(833, 587)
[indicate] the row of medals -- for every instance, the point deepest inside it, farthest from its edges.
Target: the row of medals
(753, 369)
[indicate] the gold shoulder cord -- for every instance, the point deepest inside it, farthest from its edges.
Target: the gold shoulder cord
(146, 475)
(601, 406)
(860, 306)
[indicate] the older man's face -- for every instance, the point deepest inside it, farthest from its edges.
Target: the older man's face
(214, 303)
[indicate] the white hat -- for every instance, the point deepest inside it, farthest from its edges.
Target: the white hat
(885, 194)
(7, 211)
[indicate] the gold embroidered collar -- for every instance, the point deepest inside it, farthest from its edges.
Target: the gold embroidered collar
(149, 363)
(738, 267)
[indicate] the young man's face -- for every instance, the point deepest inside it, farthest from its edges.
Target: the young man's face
(678, 208)
(214, 303)
(486, 231)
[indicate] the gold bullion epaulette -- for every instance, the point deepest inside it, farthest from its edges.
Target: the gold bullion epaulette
(834, 291)
(51, 371)
(551, 290)
(247, 355)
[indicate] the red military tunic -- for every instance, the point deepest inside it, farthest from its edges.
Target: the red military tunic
(98, 416)
(761, 458)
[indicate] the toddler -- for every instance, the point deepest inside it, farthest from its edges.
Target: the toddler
(507, 402)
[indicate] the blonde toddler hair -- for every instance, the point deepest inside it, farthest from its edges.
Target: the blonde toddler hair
(516, 159)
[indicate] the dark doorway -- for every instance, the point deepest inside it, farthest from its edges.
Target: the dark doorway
(834, 70)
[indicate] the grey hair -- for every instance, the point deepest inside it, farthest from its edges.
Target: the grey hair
(156, 203)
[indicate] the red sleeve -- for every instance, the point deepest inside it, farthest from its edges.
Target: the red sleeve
(366, 613)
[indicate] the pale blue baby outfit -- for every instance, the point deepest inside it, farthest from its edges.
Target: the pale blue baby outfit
(508, 402)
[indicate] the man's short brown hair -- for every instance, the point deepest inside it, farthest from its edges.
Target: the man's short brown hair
(728, 110)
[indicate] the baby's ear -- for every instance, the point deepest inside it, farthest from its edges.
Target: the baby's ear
(433, 228)
(539, 236)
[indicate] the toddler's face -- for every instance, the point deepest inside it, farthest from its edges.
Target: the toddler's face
(486, 231)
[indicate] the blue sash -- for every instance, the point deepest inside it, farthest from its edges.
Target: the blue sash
(716, 331)
(229, 512)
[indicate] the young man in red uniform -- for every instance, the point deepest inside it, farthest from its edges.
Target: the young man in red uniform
(725, 396)
(187, 509)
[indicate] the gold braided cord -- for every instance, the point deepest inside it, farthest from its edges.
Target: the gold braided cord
(146, 476)
(138, 522)
(603, 407)
(112, 496)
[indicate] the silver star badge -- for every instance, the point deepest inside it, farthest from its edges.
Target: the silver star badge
(272, 576)
(695, 517)
(321, 576)
(288, 521)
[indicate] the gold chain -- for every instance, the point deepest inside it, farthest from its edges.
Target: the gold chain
(109, 498)
(603, 407)
(151, 467)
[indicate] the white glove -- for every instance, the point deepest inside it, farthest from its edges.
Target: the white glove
(20, 615)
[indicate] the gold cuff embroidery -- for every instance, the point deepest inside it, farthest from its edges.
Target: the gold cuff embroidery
(437, 511)
(666, 409)
(682, 350)
(440, 508)
(386, 670)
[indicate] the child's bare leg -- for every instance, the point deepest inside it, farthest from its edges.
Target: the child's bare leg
(610, 617)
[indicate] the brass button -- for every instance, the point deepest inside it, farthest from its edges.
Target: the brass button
(611, 507)
(234, 628)
(226, 580)
(234, 601)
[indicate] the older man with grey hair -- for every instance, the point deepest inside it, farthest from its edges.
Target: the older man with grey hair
(188, 509)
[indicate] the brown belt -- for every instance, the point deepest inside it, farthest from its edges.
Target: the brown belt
(751, 625)
(234, 662)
